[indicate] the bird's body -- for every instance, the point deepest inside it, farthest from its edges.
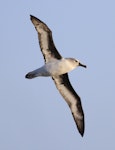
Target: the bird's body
(57, 67)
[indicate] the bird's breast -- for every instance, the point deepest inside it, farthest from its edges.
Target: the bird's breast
(59, 67)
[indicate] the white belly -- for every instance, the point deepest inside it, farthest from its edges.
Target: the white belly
(59, 67)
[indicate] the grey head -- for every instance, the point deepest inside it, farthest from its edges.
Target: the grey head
(76, 62)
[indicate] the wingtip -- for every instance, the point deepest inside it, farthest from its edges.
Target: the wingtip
(81, 129)
(80, 126)
(31, 16)
(82, 134)
(35, 20)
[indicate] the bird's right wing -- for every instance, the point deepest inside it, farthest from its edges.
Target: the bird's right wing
(66, 90)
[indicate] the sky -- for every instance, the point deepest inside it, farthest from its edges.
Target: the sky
(33, 115)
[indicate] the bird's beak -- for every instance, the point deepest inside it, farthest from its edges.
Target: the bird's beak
(82, 65)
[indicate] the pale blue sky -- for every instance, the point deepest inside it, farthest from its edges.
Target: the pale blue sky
(33, 115)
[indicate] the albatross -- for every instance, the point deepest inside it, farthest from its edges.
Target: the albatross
(57, 67)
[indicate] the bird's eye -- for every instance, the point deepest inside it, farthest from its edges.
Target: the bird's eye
(76, 60)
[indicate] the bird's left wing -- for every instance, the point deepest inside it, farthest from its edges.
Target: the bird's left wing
(47, 46)
(66, 90)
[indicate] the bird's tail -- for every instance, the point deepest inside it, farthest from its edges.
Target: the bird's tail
(36, 73)
(30, 75)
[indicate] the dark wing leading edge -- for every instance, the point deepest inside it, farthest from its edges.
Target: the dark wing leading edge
(47, 46)
(73, 100)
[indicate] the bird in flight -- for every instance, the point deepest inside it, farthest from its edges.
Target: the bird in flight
(57, 67)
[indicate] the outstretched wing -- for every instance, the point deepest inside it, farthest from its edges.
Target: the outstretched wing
(47, 46)
(66, 90)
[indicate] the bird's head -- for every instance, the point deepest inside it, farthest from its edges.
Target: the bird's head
(76, 62)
